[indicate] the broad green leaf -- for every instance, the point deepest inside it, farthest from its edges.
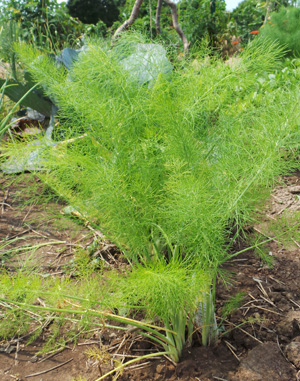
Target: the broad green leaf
(15, 90)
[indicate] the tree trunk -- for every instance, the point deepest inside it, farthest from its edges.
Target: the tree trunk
(176, 25)
(131, 20)
(157, 17)
(134, 15)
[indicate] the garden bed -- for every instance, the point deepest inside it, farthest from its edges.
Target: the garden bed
(257, 334)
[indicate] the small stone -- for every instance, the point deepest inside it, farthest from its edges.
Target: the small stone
(256, 315)
(279, 287)
(160, 368)
(292, 352)
(276, 296)
(34, 359)
(264, 363)
(284, 307)
(289, 295)
(289, 326)
(295, 189)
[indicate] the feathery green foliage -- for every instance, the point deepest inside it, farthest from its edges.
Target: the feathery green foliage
(160, 156)
(169, 292)
(167, 170)
(284, 27)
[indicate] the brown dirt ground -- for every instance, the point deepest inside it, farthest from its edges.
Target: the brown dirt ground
(254, 346)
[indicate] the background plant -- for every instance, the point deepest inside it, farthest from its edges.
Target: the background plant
(44, 23)
(284, 27)
(90, 12)
(202, 18)
(248, 15)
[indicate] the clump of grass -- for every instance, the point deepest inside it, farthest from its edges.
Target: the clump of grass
(284, 224)
(260, 247)
(232, 304)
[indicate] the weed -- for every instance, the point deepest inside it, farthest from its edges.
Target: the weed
(101, 356)
(232, 304)
(284, 224)
(261, 249)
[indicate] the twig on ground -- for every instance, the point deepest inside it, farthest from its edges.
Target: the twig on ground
(241, 329)
(284, 354)
(296, 304)
(261, 288)
(265, 309)
(123, 355)
(27, 214)
(231, 348)
(285, 207)
(17, 351)
(252, 297)
(296, 243)
(49, 370)
(269, 301)
(42, 303)
(18, 234)
(277, 199)
(239, 260)
(265, 235)
(98, 252)
(6, 204)
(57, 351)
(106, 244)
(170, 360)
(276, 280)
(250, 301)
(36, 232)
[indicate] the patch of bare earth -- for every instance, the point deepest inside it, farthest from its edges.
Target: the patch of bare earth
(260, 340)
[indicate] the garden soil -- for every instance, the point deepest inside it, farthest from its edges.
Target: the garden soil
(259, 340)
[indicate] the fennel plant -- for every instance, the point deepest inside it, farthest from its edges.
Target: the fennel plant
(167, 171)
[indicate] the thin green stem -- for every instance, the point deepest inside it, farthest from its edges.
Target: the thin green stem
(4, 126)
(262, 243)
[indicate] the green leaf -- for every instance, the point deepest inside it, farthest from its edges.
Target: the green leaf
(67, 57)
(15, 91)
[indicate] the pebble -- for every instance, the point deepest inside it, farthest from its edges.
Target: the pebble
(289, 326)
(160, 368)
(292, 352)
(295, 189)
(34, 359)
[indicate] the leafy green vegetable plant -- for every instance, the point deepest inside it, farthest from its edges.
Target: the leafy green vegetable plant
(167, 171)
